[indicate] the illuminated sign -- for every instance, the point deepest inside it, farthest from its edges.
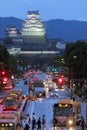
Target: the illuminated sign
(63, 105)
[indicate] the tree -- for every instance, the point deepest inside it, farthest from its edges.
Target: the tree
(76, 61)
(7, 61)
(76, 58)
(4, 55)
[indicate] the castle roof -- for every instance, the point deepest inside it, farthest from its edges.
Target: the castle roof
(33, 12)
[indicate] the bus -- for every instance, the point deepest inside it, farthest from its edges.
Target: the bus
(65, 113)
(11, 120)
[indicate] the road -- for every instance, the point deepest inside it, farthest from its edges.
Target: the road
(43, 106)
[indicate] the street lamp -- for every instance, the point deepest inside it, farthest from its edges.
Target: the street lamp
(31, 85)
(12, 78)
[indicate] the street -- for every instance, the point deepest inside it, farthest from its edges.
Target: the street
(44, 106)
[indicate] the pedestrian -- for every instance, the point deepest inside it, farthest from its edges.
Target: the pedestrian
(26, 126)
(21, 119)
(33, 121)
(28, 120)
(39, 124)
(78, 121)
(82, 123)
(73, 97)
(23, 122)
(34, 116)
(43, 122)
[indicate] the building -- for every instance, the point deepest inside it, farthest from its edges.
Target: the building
(11, 32)
(14, 51)
(33, 30)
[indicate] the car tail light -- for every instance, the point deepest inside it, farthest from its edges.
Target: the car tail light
(4, 108)
(8, 87)
(1, 100)
(5, 80)
(15, 108)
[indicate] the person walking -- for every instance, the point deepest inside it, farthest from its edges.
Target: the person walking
(23, 122)
(39, 124)
(33, 121)
(82, 123)
(28, 120)
(26, 126)
(34, 116)
(43, 122)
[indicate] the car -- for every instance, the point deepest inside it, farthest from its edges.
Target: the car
(51, 88)
(10, 107)
(54, 94)
(40, 94)
(11, 104)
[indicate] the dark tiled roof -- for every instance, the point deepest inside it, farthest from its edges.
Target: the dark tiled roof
(33, 12)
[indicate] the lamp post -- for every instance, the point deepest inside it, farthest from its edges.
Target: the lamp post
(12, 78)
(31, 85)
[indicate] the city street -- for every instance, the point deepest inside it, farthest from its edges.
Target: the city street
(43, 106)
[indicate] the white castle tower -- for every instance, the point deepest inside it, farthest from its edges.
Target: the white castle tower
(33, 30)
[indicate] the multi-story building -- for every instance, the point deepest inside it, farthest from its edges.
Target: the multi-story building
(33, 30)
(11, 32)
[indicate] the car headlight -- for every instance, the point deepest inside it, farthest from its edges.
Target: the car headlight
(70, 122)
(10, 124)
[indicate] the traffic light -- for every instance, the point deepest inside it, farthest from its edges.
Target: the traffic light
(54, 70)
(60, 80)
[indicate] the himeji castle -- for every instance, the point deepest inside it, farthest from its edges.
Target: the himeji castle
(33, 30)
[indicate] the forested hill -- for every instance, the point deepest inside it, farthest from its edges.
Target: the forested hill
(68, 30)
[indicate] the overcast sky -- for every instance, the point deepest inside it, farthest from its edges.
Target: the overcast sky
(48, 9)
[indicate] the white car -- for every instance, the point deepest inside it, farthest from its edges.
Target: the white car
(54, 94)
